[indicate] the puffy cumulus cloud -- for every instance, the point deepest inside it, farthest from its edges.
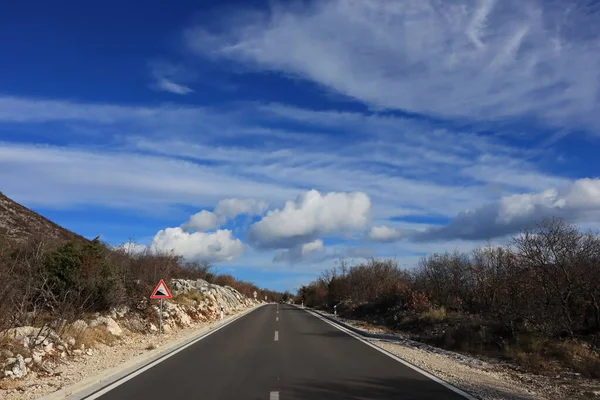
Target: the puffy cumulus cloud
(490, 59)
(216, 246)
(384, 233)
(310, 215)
(202, 221)
(578, 201)
(300, 252)
(225, 210)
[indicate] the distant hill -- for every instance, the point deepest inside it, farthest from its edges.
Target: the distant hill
(19, 223)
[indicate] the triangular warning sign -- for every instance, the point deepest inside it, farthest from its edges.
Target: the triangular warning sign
(161, 291)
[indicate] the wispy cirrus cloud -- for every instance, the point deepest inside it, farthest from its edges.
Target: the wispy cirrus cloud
(392, 161)
(480, 60)
(164, 76)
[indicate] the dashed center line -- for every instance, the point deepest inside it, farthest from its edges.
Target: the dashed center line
(276, 336)
(274, 396)
(277, 319)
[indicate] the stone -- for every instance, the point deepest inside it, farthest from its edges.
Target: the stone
(19, 369)
(37, 356)
(89, 352)
(10, 361)
(48, 348)
(28, 360)
(110, 324)
(77, 352)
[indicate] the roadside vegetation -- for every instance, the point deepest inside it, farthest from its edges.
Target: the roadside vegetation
(534, 301)
(52, 284)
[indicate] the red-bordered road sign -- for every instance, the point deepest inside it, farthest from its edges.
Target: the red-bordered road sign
(161, 291)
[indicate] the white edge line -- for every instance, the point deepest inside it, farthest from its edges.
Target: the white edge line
(126, 378)
(387, 353)
(274, 396)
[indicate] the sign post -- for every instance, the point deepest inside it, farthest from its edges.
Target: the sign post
(161, 291)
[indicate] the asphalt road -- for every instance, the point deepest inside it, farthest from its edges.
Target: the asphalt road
(280, 353)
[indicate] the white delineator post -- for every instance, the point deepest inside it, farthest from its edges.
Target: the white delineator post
(221, 312)
(335, 310)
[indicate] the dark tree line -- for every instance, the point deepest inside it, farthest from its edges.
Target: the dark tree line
(547, 280)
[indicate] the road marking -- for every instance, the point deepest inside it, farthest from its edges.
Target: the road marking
(132, 375)
(277, 319)
(277, 336)
(387, 353)
(274, 396)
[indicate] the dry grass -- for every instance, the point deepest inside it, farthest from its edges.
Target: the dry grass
(189, 298)
(99, 334)
(434, 316)
(7, 343)
(576, 356)
(531, 361)
(151, 346)
(546, 355)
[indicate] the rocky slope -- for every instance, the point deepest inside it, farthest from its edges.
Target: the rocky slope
(40, 353)
(19, 223)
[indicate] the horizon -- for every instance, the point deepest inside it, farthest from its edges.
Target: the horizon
(272, 138)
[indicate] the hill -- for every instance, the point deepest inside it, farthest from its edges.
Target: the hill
(19, 223)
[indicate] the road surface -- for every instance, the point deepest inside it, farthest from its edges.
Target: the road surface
(280, 352)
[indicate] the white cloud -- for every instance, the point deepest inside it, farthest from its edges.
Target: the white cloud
(202, 221)
(405, 167)
(164, 75)
(218, 246)
(170, 86)
(119, 179)
(384, 233)
(476, 59)
(232, 207)
(225, 210)
(311, 215)
(578, 201)
(300, 252)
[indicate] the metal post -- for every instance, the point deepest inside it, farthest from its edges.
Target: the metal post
(160, 317)
(335, 310)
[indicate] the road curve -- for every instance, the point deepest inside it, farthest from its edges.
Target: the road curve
(279, 352)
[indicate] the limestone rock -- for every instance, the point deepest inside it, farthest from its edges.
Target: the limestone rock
(19, 369)
(111, 325)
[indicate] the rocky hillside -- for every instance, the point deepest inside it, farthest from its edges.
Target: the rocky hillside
(19, 223)
(41, 351)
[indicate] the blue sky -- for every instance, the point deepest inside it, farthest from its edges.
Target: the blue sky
(272, 138)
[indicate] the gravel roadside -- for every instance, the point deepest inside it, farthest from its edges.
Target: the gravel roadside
(98, 361)
(485, 379)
